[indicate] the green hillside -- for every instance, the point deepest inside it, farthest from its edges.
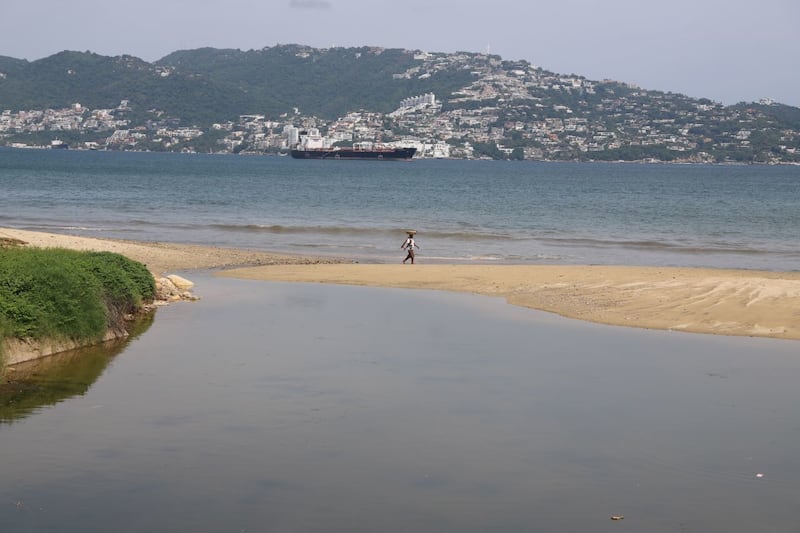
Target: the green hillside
(99, 82)
(321, 82)
(225, 100)
(211, 85)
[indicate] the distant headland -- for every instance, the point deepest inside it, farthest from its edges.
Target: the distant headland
(446, 105)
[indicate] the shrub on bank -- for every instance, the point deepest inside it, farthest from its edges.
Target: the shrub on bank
(126, 284)
(58, 293)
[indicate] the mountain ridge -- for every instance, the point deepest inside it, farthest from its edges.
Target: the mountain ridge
(514, 104)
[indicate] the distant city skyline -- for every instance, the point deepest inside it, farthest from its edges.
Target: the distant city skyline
(727, 51)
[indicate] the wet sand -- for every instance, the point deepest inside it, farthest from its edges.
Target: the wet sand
(714, 301)
(724, 302)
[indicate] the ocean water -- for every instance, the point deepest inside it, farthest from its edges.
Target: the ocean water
(465, 211)
(305, 407)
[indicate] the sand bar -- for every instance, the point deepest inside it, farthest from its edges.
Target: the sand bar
(160, 257)
(724, 302)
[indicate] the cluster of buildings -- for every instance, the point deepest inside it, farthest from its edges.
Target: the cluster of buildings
(73, 118)
(509, 109)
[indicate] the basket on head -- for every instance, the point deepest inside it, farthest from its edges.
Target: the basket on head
(411, 232)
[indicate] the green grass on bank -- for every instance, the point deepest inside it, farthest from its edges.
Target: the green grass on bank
(66, 294)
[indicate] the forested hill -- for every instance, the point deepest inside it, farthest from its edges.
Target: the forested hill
(327, 83)
(211, 85)
(480, 105)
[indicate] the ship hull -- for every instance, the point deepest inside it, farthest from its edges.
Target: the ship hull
(394, 154)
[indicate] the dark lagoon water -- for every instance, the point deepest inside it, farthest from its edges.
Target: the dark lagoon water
(465, 211)
(311, 408)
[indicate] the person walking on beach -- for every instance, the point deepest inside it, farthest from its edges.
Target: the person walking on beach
(409, 245)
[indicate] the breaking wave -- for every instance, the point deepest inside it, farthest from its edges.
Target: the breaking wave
(279, 229)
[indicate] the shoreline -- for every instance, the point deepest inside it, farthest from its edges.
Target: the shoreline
(698, 300)
(162, 258)
(645, 161)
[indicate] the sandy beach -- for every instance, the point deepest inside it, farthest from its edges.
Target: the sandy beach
(160, 257)
(713, 301)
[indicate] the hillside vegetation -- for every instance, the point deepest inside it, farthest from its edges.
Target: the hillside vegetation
(460, 105)
(66, 294)
(212, 85)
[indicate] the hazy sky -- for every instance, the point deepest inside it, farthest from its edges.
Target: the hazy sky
(725, 50)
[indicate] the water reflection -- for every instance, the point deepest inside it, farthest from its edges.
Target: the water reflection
(306, 408)
(27, 387)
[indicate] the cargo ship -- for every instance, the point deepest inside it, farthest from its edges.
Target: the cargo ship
(366, 151)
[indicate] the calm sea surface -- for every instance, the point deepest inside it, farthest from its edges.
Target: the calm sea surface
(465, 211)
(311, 408)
